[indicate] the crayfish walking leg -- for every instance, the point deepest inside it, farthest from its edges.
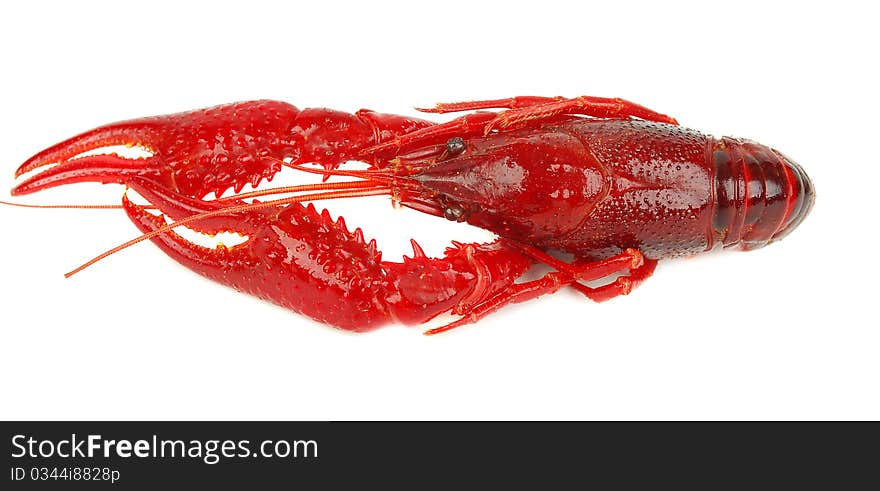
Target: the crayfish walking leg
(522, 110)
(630, 260)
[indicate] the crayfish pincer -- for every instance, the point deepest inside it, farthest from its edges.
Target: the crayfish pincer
(611, 183)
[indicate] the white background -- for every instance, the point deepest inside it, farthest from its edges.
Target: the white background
(786, 332)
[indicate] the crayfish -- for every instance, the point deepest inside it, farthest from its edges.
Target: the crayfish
(613, 184)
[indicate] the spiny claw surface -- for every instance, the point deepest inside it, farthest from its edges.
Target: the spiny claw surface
(293, 256)
(193, 153)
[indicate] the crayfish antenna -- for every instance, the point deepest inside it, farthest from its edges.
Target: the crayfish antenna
(372, 175)
(347, 186)
(74, 207)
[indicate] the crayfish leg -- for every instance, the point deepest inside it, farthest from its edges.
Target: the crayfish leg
(526, 108)
(622, 285)
(521, 110)
(516, 293)
(567, 275)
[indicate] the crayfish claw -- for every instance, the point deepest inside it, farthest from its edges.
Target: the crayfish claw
(127, 134)
(193, 153)
(105, 169)
(73, 165)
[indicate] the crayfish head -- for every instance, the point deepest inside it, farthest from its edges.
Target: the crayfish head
(521, 185)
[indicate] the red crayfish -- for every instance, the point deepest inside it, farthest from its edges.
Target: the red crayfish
(612, 183)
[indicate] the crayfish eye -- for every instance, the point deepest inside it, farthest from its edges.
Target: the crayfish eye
(455, 146)
(454, 213)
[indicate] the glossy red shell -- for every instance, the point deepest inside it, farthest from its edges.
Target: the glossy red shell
(615, 192)
(596, 187)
